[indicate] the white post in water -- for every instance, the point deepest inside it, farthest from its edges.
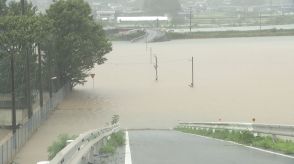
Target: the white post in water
(150, 55)
(156, 69)
(192, 83)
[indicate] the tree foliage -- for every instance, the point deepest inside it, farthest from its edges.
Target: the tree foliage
(80, 43)
(73, 43)
(17, 37)
(3, 7)
(15, 8)
(161, 7)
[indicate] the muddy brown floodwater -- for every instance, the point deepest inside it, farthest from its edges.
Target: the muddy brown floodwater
(235, 80)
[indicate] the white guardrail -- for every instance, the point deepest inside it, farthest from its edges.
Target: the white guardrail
(272, 129)
(80, 147)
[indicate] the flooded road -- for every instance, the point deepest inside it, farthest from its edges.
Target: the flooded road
(235, 80)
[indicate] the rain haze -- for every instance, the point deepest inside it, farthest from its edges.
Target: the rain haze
(147, 81)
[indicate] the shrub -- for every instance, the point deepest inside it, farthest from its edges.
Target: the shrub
(116, 140)
(58, 145)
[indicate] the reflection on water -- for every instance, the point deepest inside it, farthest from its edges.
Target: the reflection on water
(236, 80)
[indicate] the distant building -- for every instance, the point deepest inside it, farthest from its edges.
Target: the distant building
(107, 15)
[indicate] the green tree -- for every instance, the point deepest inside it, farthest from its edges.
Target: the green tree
(17, 37)
(161, 7)
(3, 7)
(14, 8)
(79, 42)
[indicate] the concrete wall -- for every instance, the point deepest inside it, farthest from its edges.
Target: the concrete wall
(6, 116)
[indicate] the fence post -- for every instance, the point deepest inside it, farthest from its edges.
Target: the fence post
(2, 152)
(6, 151)
(11, 147)
(17, 140)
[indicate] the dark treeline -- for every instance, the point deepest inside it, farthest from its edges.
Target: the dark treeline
(70, 42)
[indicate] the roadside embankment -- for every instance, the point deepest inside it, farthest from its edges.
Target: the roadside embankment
(246, 138)
(229, 34)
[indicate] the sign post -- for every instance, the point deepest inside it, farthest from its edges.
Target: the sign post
(93, 75)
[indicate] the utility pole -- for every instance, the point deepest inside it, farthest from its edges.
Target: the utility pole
(259, 19)
(28, 74)
(50, 75)
(22, 7)
(272, 9)
(28, 83)
(156, 69)
(190, 19)
(40, 76)
(192, 83)
(13, 95)
(146, 41)
(150, 55)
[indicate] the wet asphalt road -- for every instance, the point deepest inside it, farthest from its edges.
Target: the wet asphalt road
(171, 147)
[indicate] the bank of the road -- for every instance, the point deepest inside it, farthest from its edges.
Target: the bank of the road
(229, 34)
(172, 147)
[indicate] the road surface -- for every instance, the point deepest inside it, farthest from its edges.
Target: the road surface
(171, 147)
(152, 34)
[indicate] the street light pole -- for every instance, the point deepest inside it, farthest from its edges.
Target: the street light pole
(28, 80)
(29, 101)
(259, 20)
(50, 75)
(13, 95)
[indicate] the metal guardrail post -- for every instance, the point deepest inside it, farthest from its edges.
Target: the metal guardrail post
(82, 144)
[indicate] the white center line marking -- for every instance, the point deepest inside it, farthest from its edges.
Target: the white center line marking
(128, 156)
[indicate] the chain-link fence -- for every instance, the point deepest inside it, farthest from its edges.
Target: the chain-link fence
(13, 142)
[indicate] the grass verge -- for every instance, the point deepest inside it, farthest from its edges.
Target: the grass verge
(116, 140)
(246, 138)
(229, 34)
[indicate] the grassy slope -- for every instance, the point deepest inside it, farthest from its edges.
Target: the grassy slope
(229, 34)
(246, 138)
(116, 140)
